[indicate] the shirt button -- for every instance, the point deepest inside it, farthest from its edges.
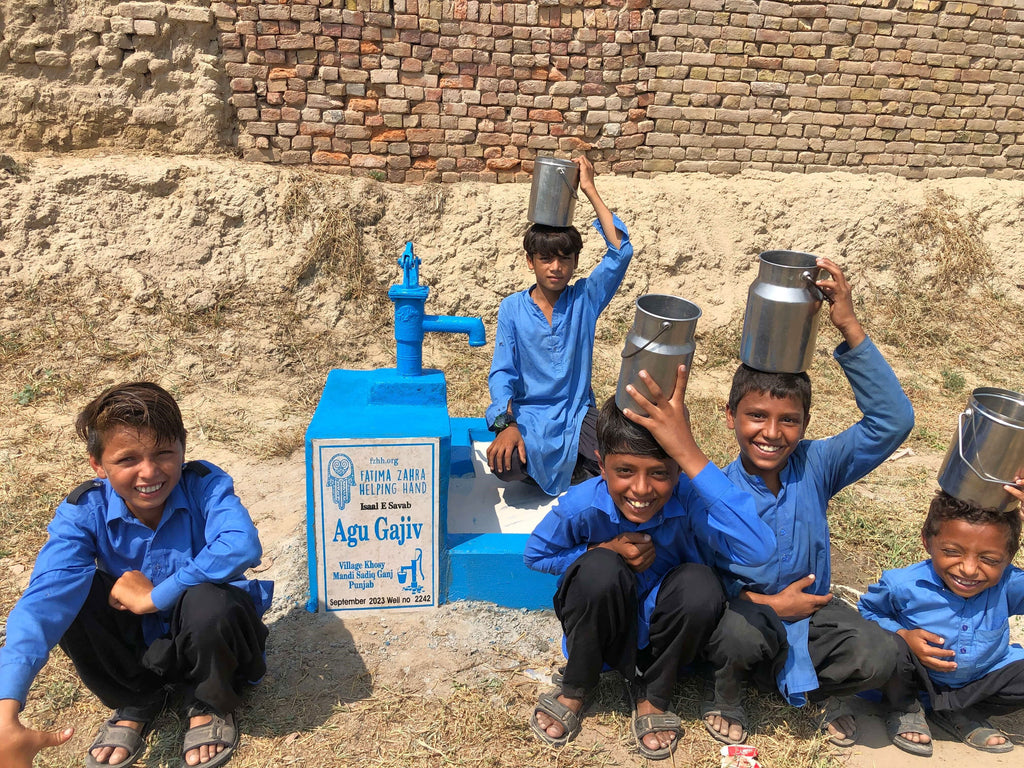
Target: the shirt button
(963, 650)
(964, 627)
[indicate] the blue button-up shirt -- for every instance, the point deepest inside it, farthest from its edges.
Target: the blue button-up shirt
(707, 513)
(204, 535)
(977, 628)
(815, 472)
(544, 368)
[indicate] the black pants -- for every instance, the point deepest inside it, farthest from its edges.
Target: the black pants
(597, 604)
(999, 692)
(586, 455)
(850, 654)
(216, 645)
(749, 643)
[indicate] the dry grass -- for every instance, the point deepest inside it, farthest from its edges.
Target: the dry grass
(939, 350)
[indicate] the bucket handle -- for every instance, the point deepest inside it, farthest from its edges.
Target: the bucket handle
(665, 325)
(819, 295)
(565, 178)
(960, 448)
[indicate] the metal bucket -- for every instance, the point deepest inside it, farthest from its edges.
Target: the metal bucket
(553, 192)
(781, 321)
(660, 340)
(987, 451)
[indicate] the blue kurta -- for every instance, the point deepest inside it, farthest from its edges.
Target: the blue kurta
(707, 513)
(977, 628)
(544, 369)
(814, 473)
(205, 535)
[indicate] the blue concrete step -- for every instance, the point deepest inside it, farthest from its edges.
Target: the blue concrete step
(488, 525)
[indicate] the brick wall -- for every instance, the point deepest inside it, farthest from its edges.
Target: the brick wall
(445, 90)
(414, 90)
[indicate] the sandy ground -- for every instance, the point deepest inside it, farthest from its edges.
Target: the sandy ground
(123, 238)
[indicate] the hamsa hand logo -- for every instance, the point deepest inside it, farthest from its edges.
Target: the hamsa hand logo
(341, 478)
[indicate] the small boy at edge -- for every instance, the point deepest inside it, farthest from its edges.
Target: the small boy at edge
(950, 617)
(542, 405)
(633, 592)
(142, 584)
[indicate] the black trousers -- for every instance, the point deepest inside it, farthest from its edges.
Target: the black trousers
(999, 692)
(850, 654)
(586, 455)
(597, 604)
(215, 646)
(749, 643)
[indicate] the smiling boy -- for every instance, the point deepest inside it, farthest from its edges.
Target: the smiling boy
(950, 615)
(542, 405)
(142, 584)
(782, 626)
(633, 592)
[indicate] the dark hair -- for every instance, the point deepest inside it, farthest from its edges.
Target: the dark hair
(543, 240)
(617, 434)
(139, 405)
(945, 507)
(778, 385)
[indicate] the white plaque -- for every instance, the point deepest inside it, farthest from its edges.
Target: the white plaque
(376, 504)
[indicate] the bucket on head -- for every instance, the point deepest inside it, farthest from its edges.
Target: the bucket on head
(660, 340)
(553, 191)
(987, 451)
(781, 321)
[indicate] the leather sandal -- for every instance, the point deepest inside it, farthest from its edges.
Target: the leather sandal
(220, 730)
(570, 721)
(118, 737)
(897, 723)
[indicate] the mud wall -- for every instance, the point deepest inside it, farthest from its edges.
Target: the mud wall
(447, 90)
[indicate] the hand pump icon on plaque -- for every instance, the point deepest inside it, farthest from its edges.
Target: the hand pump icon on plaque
(408, 573)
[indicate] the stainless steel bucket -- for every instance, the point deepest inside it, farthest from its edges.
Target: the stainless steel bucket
(660, 340)
(553, 191)
(987, 451)
(781, 321)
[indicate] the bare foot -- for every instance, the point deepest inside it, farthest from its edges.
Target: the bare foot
(730, 729)
(204, 753)
(658, 739)
(552, 727)
(115, 755)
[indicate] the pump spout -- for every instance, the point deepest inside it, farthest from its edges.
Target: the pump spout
(472, 326)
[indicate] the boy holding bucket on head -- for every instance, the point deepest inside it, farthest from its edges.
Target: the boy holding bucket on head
(782, 626)
(949, 616)
(634, 593)
(142, 584)
(542, 406)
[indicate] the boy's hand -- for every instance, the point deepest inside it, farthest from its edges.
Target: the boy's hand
(793, 603)
(1017, 491)
(927, 647)
(18, 744)
(133, 592)
(840, 297)
(668, 421)
(499, 452)
(635, 548)
(586, 175)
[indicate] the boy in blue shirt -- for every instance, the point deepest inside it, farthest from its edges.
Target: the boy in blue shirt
(782, 627)
(142, 584)
(950, 617)
(633, 592)
(542, 405)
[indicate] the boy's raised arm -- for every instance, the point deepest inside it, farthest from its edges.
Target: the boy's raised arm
(668, 421)
(840, 298)
(588, 188)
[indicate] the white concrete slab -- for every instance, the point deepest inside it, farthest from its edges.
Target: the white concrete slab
(484, 504)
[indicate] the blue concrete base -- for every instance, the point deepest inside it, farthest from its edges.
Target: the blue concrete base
(488, 525)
